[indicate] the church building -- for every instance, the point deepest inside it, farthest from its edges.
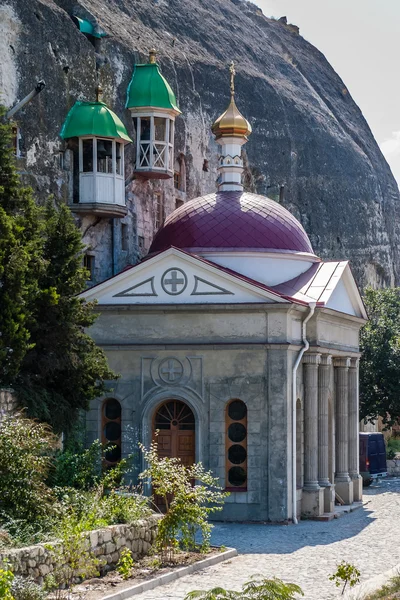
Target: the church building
(231, 337)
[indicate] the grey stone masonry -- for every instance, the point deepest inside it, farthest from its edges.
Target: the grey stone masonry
(8, 402)
(343, 483)
(106, 544)
(323, 429)
(311, 362)
(342, 415)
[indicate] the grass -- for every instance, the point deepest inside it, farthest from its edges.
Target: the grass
(388, 591)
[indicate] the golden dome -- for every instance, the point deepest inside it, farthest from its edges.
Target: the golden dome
(231, 123)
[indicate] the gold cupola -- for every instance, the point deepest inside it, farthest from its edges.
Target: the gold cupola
(231, 123)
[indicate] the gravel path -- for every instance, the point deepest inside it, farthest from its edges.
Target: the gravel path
(305, 554)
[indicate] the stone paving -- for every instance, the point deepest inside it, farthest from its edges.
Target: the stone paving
(305, 554)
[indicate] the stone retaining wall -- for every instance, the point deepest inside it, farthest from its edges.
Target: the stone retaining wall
(106, 544)
(8, 402)
(393, 467)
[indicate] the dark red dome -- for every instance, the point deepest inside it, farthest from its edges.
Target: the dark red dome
(232, 220)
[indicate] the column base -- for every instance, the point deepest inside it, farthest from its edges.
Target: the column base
(329, 498)
(357, 487)
(344, 489)
(312, 503)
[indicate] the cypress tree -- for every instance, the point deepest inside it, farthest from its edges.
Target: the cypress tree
(45, 354)
(20, 260)
(64, 369)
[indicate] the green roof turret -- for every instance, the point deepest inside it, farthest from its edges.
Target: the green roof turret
(148, 88)
(93, 118)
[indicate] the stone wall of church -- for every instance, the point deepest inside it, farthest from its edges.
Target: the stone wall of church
(220, 353)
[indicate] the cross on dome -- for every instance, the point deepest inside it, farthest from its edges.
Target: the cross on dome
(231, 130)
(233, 73)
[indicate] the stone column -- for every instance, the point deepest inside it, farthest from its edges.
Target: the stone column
(343, 483)
(324, 378)
(353, 431)
(313, 494)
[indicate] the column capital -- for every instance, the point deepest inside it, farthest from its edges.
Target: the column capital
(326, 360)
(341, 361)
(311, 359)
(354, 362)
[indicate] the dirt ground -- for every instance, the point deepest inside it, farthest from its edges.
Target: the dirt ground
(144, 569)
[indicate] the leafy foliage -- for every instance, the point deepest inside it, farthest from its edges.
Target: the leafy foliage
(26, 589)
(190, 495)
(31, 511)
(20, 261)
(380, 362)
(72, 557)
(346, 574)
(6, 579)
(79, 469)
(25, 447)
(255, 589)
(64, 369)
(125, 564)
(392, 447)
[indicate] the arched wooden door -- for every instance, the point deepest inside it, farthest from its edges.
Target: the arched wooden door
(176, 424)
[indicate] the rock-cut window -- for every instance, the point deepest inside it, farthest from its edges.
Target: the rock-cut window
(236, 446)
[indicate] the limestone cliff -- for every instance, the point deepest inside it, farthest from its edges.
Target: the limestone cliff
(311, 148)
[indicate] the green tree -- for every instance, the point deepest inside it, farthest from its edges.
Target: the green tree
(380, 361)
(20, 260)
(25, 447)
(64, 369)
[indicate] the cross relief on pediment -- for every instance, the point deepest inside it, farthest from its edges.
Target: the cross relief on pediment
(171, 373)
(174, 282)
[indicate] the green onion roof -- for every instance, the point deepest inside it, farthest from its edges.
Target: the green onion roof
(149, 88)
(93, 118)
(88, 28)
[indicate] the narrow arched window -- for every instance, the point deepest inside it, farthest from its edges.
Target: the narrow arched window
(111, 430)
(236, 446)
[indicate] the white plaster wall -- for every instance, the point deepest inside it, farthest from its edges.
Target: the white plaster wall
(266, 268)
(340, 300)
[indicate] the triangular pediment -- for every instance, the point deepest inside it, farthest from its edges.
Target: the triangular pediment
(344, 295)
(176, 277)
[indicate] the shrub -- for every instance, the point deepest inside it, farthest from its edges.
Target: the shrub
(80, 469)
(125, 564)
(26, 589)
(25, 445)
(392, 447)
(188, 504)
(6, 579)
(255, 589)
(72, 557)
(117, 507)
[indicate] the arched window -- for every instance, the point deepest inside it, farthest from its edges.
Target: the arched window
(236, 446)
(111, 430)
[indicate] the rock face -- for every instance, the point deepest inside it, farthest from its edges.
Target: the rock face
(311, 148)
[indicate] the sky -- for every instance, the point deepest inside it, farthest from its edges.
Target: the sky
(361, 40)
